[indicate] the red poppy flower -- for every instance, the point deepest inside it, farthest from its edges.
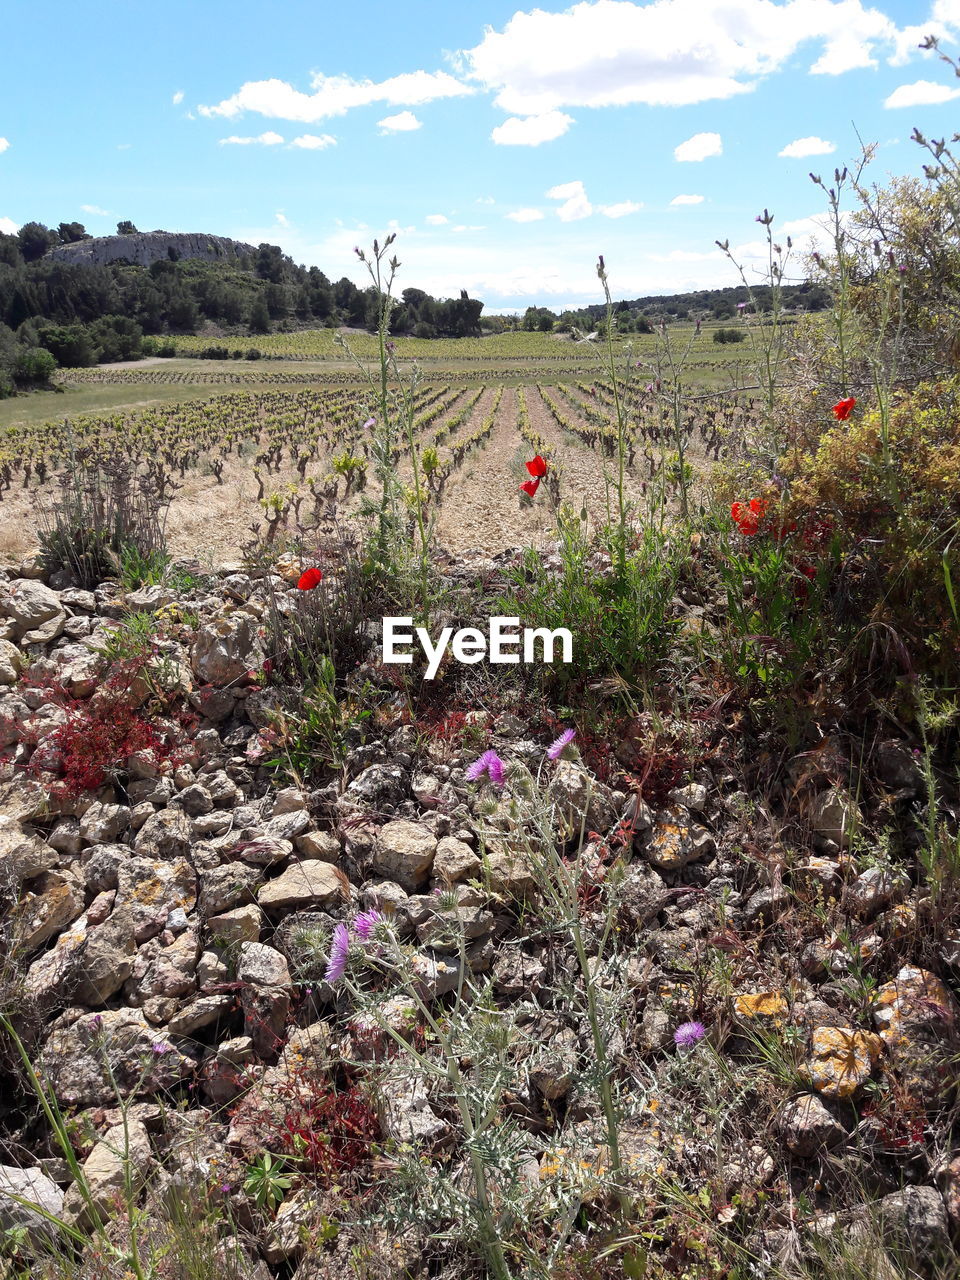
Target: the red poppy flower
(538, 467)
(843, 408)
(747, 516)
(310, 579)
(530, 486)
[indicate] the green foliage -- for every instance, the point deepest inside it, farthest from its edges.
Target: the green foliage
(267, 1182)
(728, 335)
(888, 484)
(621, 622)
(33, 366)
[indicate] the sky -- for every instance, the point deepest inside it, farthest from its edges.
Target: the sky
(506, 146)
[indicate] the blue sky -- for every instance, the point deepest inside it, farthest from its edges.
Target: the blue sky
(507, 146)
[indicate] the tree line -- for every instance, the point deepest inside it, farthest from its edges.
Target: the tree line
(61, 313)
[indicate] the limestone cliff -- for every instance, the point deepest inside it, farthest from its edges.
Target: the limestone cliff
(144, 247)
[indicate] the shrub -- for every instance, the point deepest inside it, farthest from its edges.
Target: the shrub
(104, 508)
(34, 366)
(889, 487)
(728, 335)
(100, 733)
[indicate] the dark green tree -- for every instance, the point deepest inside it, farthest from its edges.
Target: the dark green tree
(35, 239)
(71, 232)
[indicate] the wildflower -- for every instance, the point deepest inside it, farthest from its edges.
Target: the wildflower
(746, 517)
(555, 748)
(159, 1048)
(309, 579)
(741, 306)
(364, 924)
(538, 467)
(224, 1186)
(843, 408)
(530, 487)
(689, 1033)
(370, 422)
(490, 764)
(339, 947)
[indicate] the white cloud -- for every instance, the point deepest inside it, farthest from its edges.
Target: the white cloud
(687, 200)
(4, 144)
(282, 218)
(96, 210)
(402, 122)
(700, 147)
(601, 53)
(124, 146)
(575, 203)
(531, 131)
(8, 227)
(335, 95)
(177, 98)
(485, 200)
(525, 215)
(812, 146)
(436, 219)
(922, 93)
(314, 141)
(620, 210)
(267, 139)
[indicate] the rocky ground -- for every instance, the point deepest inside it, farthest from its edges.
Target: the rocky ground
(167, 930)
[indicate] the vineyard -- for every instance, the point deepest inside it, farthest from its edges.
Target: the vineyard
(285, 448)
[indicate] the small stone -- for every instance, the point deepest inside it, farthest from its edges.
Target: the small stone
(806, 1126)
(692, 797)
(243, 924)
(675, 842)
(102, 823)
(302, 886)
(455, 861)
(873, 889)
(166, 835)
(261, 965)
(32, 1185)
(322, 846)
(227, 886)
(405, 1111)
(834, 815)
(38, 917)
(195, 800)
(766, 1009)
(404, 852)
(841, 1060)
(918, 1020)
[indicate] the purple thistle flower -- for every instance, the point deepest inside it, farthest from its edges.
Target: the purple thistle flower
(490, 764)
(159, 1048)
(364, 924)
(556, 747)
(339, 946)
(689, 1033)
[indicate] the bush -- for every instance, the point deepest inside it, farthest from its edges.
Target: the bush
(103, 509)
(728, 335)
(34, 366)
(254, 353)
(890, 491)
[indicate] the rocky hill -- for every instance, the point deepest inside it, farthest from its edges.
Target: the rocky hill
(144, 247)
